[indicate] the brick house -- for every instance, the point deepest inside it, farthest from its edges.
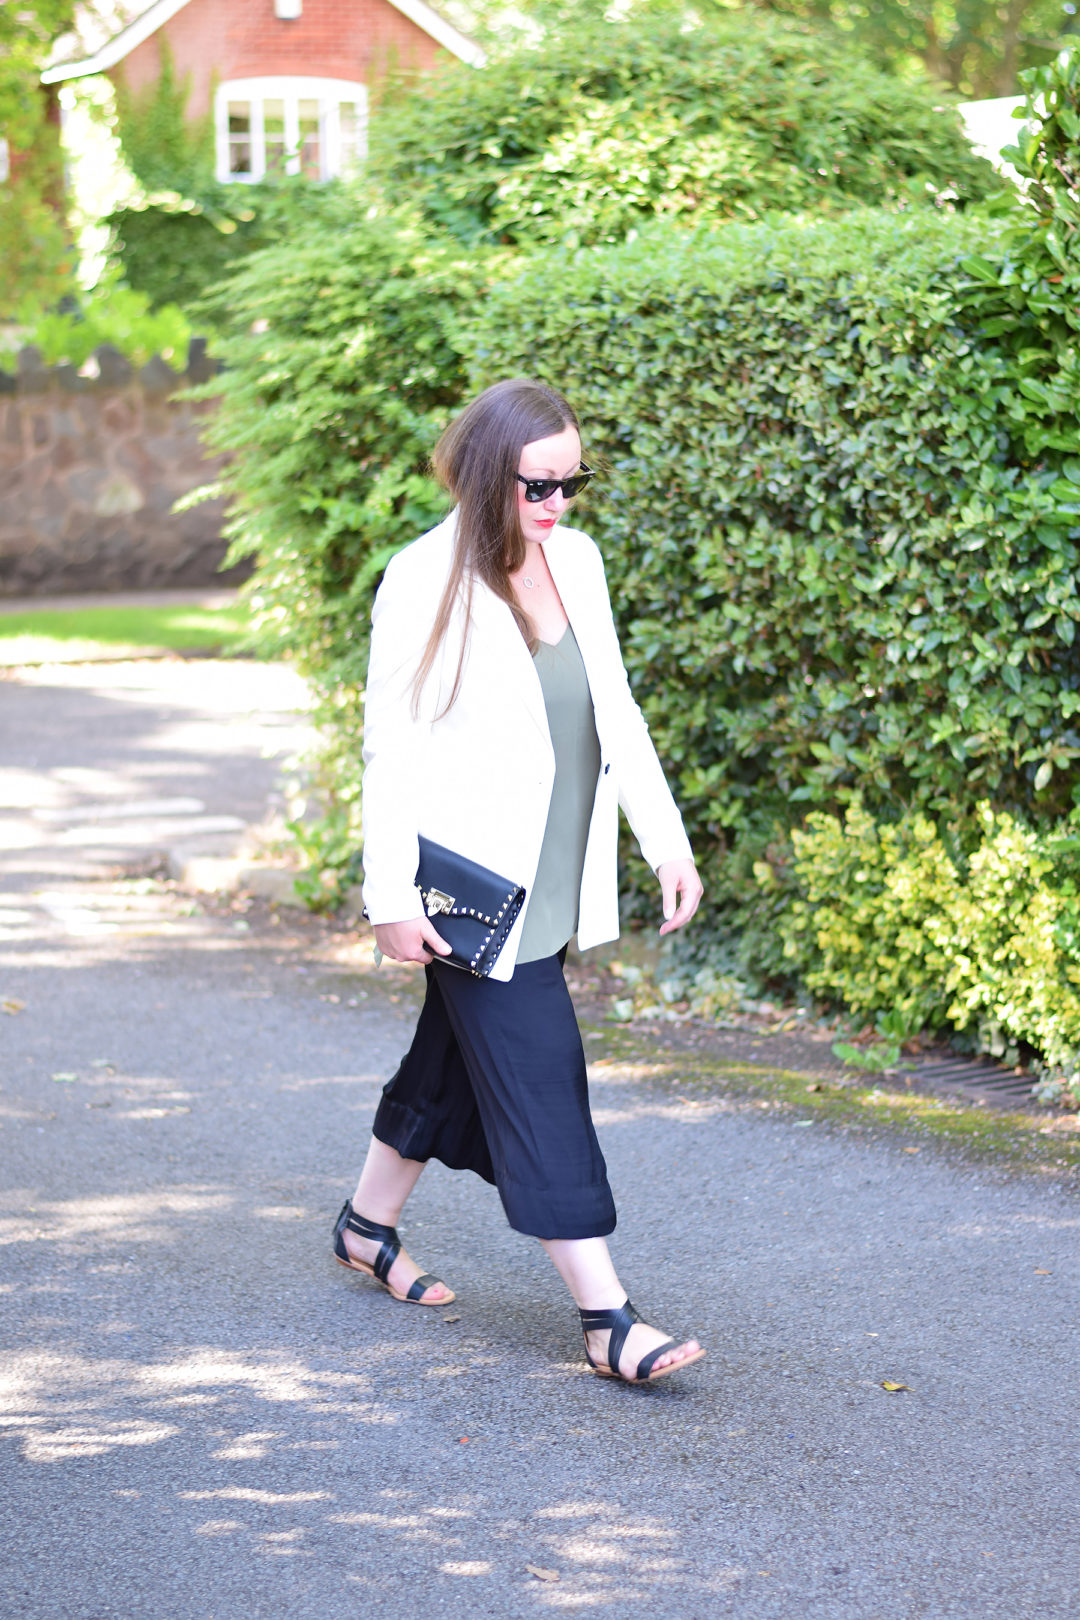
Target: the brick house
(286, 80)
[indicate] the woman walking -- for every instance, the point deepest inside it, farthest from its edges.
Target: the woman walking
(500, 726)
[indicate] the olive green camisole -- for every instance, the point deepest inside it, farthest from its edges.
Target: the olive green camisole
(551, 909)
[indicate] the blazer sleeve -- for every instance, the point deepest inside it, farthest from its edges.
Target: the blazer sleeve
(644, 794)
(394, 740)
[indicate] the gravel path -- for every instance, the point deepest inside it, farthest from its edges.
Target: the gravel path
(207, 1418)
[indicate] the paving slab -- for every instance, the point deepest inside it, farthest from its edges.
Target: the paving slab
(204, 1416)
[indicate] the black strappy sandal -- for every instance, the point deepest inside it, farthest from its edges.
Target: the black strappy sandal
(620, 1322)
(391, 1248)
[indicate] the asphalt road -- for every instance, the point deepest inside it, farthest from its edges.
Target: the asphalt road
(206, 1417)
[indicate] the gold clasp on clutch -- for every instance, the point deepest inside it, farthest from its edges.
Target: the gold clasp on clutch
(437, 901)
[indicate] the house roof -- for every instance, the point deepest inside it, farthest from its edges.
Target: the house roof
(156, 15)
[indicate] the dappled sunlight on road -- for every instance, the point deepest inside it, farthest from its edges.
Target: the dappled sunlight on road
(100, 921)
(115, 1219)
(198, 1404)
(572, 1553)
(60, 1407)
(198, 1401)
(213, 685)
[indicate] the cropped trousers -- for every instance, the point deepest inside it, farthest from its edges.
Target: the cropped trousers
(494, 1082)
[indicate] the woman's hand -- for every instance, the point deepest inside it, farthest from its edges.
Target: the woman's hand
(411, 941)
(681, 889)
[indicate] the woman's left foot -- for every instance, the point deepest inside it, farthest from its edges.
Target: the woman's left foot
(619, 1344)
(375, 1250)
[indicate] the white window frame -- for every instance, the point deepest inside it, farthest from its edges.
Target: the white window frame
(329, 93)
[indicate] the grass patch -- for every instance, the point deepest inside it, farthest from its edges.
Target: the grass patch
(1045, 1143)
(83, 634)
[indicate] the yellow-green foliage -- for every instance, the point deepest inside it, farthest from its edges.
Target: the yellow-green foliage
(109, 314)
(35, 259)
(893, 921)
(858, 929)
(1008, 936)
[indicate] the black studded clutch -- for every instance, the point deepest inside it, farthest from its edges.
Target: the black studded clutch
(472, 907)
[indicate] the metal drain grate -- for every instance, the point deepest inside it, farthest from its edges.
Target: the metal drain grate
(975, 1080)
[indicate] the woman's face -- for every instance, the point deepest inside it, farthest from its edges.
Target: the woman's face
(556, 457)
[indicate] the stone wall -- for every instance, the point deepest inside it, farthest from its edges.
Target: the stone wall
(91, 464)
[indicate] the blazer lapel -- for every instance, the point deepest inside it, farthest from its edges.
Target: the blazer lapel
(493, 619)
(574, 591)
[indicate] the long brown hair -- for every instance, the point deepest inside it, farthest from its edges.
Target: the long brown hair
(476, 459)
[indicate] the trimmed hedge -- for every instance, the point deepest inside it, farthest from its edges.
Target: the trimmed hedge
(835, 571)
(339, 375)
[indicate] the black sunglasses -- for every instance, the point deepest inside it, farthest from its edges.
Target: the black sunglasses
(541, 489)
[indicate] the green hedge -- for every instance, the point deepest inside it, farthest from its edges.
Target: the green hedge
(37, 261)
(604, 125)
(339, 377)
(835, 570)
(840, 510)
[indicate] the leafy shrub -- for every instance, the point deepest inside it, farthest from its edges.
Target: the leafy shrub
(172, 251)
(109, 314)
(1027, 296)
(35, 252)
(605, 125)
(181, 237)
(165, 149)
(175, 248)
(899, 922)
(340, 374)
(842, 550)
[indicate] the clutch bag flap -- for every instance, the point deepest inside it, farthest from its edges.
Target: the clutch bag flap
(472, 907)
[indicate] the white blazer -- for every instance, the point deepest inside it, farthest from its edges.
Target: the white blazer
(479, 779)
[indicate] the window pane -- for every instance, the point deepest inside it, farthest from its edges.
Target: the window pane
(239, 137)
(274, 128)
(349, 116)
(310, 154)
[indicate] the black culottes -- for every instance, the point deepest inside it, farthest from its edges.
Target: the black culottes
(495, 1082)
